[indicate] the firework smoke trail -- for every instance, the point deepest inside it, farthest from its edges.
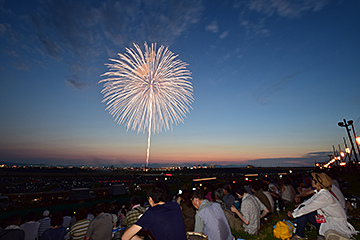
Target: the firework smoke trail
(148, 90)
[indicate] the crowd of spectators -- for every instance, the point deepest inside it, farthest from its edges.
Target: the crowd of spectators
(216, 210)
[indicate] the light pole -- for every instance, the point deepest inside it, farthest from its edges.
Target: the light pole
(353, 129)
(346, 125)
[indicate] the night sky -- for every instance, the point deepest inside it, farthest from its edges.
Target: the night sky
(271, 80)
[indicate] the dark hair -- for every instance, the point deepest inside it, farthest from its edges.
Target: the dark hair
(186, 196)
(99, 208)
(56, 219)
(31, 216)
(219, 193)
(264, 186)
(14, 219)
(81, 214)
(240, 190)
(135, 200)
(255, 185)
(159, 192)
(199, 194)
(226, 187)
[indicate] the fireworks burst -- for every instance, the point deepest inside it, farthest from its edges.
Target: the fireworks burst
(148, 90)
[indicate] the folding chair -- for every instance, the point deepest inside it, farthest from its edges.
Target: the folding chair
(196, 236)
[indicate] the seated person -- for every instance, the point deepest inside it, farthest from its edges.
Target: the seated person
(322, 210)
(210, 218)
(251, 210)
(163, 219)
(134, 214)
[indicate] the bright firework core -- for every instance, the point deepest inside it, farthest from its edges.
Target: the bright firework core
(148, 90)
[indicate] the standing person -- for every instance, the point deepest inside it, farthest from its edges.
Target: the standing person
(163, 219)
(228, 198)
(250, 211)
(12, 230)
(56, 231)
(134, 214)
(30, 227)
(210, 218)
(79, 228)
(45, 222)
(100, 228)
(323, 210)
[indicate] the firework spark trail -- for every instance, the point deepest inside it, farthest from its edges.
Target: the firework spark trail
(148, 90)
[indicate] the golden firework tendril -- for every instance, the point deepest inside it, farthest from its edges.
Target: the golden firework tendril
(148, 90)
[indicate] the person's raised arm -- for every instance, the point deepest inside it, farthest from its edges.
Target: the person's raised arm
(130, 233)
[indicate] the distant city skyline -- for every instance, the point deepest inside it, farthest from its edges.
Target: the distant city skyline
(271, 80)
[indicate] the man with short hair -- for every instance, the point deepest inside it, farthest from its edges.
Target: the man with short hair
(228, 198)
(163, 219)
(101, 226)
(219, 194)
(250, 211)
(210, 218)
(134, 214)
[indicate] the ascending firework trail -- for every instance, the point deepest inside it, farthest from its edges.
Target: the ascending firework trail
(148, 90)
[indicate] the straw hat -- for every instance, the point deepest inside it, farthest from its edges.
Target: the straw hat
(323, 179)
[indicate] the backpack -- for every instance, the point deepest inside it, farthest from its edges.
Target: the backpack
(235, 224)
(284, 229)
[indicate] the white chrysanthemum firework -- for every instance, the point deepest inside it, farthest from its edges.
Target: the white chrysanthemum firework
(148, 90)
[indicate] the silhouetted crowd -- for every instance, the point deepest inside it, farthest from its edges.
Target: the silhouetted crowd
(215, 210)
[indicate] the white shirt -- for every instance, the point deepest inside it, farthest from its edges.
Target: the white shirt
(326, 204)
(31, 229)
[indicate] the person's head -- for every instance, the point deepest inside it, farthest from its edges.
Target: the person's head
(240, 191)
(135, 200)
(321, 180)
(14, 219)
(186, 197)
(219, 193)
(264, 186)
(81, 214)
(255, 185)
(226, 188)
(197, 197)
(56, 219)
(99, 208)
(158, 193)
(31, 216)
(46, 213)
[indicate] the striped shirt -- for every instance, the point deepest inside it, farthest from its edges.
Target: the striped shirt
(45, 224)
(78, 229)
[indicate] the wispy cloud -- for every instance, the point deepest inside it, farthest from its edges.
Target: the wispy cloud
(212, 27)
(63, 28)
(224, 34)
(286, 8)
(256, 25)
(307, 159)
(76, 84)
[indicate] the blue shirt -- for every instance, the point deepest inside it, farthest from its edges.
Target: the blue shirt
(164, 221)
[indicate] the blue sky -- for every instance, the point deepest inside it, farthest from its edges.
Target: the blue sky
(271, 80)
